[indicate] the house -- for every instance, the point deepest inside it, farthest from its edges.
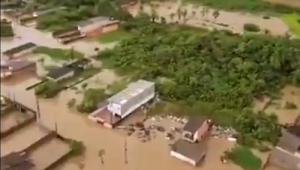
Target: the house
(191, 148)
(195, 129)
(19, 51)
(189, 152)
(124, 103)
(286, 154)
(131, 98)
(68, 70)
(47, 11)
(16, 68)
(16, 161)
(68, 35)
(98, 25)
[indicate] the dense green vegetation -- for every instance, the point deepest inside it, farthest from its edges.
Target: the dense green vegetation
(292, 20)
(113, 36)
(251, 27)
(48, 89)
(92, 97)
(217, 74)
(246, 5)
(6, 29)
(58, 53)
(244, 157)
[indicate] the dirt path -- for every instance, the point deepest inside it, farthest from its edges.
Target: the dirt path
(234, 21)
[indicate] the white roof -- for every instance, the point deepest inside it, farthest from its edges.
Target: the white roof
(133, 89)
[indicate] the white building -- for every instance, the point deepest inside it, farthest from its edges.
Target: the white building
(131, 98)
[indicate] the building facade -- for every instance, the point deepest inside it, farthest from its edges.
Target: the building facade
(131, 98)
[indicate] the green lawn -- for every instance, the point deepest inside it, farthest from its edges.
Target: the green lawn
(244, 158)
(292, 20)
(58, 53)
(113, 36)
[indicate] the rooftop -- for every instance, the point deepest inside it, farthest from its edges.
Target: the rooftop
(56, 73)
(102, 20)
(16, 65)
(194, 151)
(194, 124)
(132, 90)
(16, 161)
(289, 142)
(19, 48)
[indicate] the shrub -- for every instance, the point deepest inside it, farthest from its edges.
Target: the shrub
(91, 99)
(71, 103)
(290, 105)
(48, 89)
(244, 157)
(251, 27)
(77, 147)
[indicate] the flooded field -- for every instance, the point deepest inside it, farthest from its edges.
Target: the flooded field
(48, 153)
(234, 20)
(289, 94)
(22, 139)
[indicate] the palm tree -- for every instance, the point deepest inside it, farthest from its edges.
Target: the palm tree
(172, 15)
(216, 14)
(100, 154)
(179, 14)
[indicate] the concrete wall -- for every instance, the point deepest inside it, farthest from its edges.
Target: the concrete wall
(40, 142)
(183, 158)
(110, 28)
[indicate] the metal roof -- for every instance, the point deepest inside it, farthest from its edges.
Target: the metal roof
(132, 90)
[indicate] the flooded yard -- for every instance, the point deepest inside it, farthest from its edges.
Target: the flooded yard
(289, 95)
(233, 21)
(22, 138)
(48, 153)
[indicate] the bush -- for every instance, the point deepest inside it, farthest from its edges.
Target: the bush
(47, 89)
(71, 103)
(244, 157)
(251, 27)
(91, 99)
(290, 105)
(77, 147)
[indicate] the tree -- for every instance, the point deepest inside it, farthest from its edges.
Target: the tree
(101, 154)
(216, 14)
(172, 15)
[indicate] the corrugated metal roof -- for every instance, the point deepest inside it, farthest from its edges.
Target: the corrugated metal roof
(132, 90)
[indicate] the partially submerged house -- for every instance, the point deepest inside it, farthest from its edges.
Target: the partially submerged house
(16, 161)
(124, 103)
(47, 11)
(17, 68)
(68, 35)
(69, 70)
(98, 25)
(18, 51)
(191, 147)
(286, 154)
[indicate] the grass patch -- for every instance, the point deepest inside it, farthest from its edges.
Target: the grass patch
(113, 36)
(58, 53)
(292, 20)
(244, 158)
